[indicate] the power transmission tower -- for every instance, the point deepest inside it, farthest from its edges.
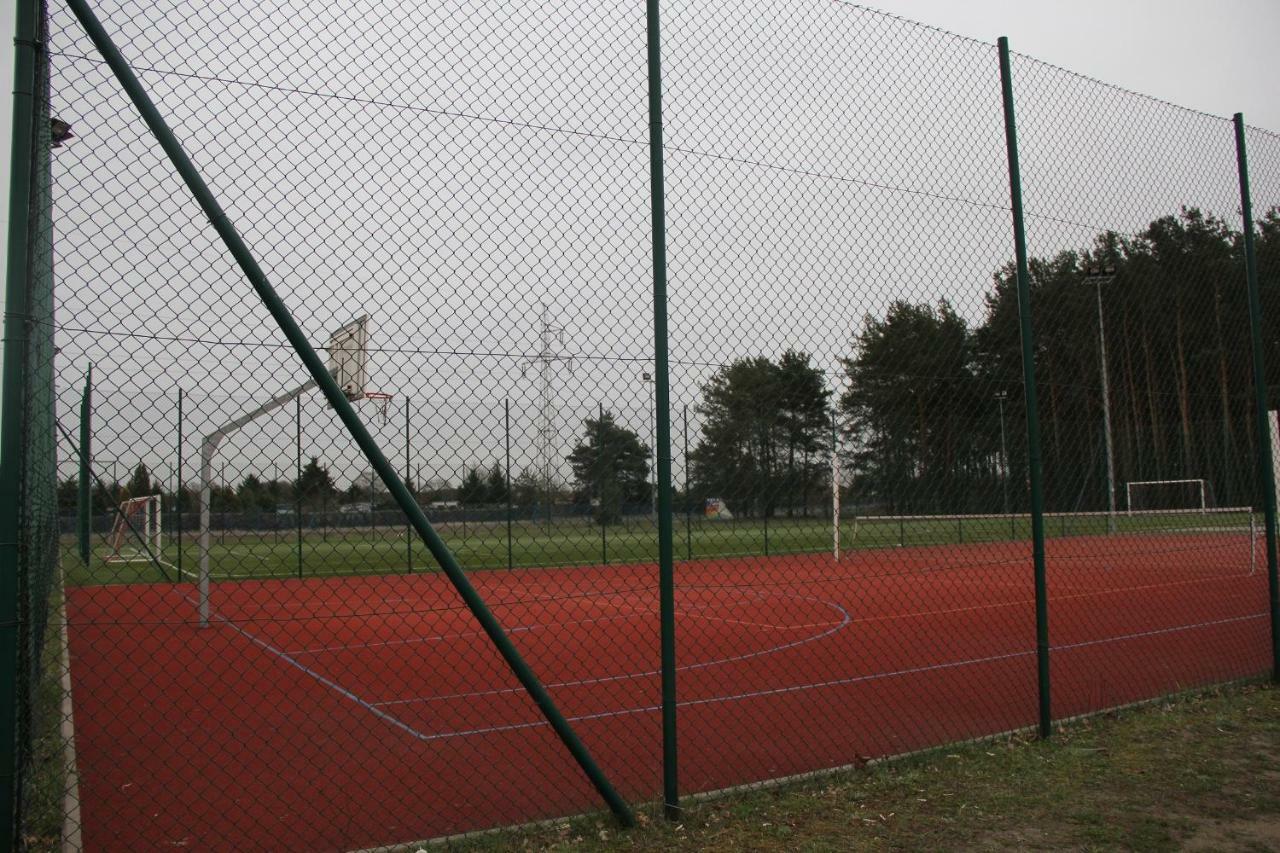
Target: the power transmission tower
(550, 353)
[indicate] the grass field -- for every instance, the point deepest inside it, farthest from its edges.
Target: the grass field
(487, 546)
(1105, 783)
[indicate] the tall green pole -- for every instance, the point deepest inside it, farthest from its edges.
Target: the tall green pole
(408, 450)
(604, 528)
(688, 498)
(662, 403)
(84, 492)
(297, 482)
(346, 412)
(178, 537)
(506, 436)
(1265, 461)
(1029, 391)
(28, 54)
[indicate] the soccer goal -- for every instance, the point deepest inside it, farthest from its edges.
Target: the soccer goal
(137, 535)
(1166, 495)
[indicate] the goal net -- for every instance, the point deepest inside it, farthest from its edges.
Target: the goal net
(136, 530)
(1167, 495)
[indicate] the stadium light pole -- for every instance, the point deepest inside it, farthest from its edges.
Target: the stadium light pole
(1099, 276)
(1004, 451)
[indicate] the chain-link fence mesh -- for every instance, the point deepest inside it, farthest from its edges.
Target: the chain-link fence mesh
(828, 270)
(454, 205)
(1146, 394)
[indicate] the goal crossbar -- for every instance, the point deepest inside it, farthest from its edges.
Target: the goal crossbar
(137, 533)
(1198, 502)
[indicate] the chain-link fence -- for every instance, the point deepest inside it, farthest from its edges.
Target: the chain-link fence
(419, 420)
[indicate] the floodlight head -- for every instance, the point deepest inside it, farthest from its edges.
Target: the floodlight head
(349, 357)
(60, 132)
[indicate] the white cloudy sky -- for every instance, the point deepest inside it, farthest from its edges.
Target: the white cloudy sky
(1207, 56)
(768, 233)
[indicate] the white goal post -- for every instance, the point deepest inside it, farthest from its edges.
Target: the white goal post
(137, 534)
(1193, 490)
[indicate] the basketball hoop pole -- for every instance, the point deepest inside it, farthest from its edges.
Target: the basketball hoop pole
(208, 449)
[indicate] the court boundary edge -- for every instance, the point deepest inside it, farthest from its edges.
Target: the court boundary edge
(811, 775)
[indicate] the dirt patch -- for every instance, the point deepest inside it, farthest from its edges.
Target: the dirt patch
(1256, 833)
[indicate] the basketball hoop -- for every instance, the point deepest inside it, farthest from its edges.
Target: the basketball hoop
(381, 400)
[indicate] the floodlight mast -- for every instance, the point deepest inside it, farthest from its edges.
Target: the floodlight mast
(1099, 276)
(835, 488)
(551, 339)
(1001, 396)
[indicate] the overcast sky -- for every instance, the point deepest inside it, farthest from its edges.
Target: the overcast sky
(1192, 55)
(1207, 56)
(1210, 57)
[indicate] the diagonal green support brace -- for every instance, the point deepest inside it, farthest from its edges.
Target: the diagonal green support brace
(333, 394)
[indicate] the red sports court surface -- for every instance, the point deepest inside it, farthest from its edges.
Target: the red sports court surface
(352, 712)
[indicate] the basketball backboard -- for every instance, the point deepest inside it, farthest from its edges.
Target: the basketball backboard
(349, 357)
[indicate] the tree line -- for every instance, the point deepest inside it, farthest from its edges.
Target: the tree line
(931, 408)
(928, 408)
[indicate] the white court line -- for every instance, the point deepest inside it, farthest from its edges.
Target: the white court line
(418, 735)
(845, 620)
(773, 691)
(839, 682)
(295, 603)
(432, 638)
(332, 685)
(461, 635)
(1157, 631)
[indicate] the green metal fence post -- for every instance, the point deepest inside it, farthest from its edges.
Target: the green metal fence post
(506, 430)
(408, 478)
(1266, 470)
(604, 530)
(178, 537)
(346, 412)
(297, 483)
(17, 324)
(688, 497)
(84, 491)
(662, 405)
(1029, 392)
